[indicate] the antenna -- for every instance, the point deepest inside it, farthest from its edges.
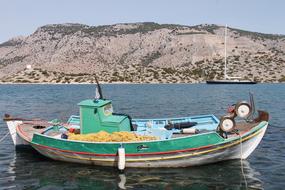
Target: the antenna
(252, 104)
(98, 90)
(225, 73)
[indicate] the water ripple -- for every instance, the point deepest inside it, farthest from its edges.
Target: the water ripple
(26, 169)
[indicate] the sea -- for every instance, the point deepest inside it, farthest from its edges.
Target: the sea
(26, 169)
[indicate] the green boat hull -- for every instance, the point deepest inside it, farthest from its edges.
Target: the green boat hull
(176, 152)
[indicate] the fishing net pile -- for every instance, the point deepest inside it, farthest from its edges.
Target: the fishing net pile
(103, 136)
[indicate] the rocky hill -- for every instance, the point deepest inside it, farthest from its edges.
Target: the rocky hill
(140, 52)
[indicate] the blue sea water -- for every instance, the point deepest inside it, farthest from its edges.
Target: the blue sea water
(26, 169)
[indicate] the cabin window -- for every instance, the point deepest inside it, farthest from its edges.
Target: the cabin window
(108, 109)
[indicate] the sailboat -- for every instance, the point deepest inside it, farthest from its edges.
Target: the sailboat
(227, 79)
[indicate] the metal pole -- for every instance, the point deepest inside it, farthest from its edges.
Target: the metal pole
(225, 52)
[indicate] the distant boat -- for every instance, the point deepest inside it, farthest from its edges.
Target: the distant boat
(231, 81)
(227, 79)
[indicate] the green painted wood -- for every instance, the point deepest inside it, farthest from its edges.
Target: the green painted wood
(194, 141)
(112, 148)
(93, 103)
(94, 118)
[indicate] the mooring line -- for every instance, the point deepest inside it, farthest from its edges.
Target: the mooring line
(241, 162)
(4, 137)
(272, 125)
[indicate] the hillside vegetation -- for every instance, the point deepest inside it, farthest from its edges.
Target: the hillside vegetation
(140, 52)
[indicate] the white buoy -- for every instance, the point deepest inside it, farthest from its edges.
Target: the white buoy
(121, 158)
(189, 130)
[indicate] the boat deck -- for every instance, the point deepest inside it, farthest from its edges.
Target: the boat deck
(241, 127)
(28, 128)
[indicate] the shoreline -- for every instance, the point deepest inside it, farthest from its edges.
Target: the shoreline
(46, 83)
(120, 83)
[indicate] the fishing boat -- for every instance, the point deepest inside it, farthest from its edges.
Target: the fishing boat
(166, 142)
(227, 79)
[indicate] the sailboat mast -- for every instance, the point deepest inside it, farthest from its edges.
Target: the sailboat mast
(225, 72)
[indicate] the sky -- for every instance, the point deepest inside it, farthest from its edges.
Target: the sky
(23, 17)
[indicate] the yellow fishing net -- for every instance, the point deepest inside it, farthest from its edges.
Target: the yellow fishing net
(103, 136)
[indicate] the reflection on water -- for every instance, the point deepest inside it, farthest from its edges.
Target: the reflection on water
(122, 182)
(26, 169)
(38, 172)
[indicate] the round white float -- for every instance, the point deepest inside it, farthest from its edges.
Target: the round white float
(243, 110)
(227, 124)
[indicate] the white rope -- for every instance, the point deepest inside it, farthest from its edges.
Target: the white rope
(4, 137)
(241, 162)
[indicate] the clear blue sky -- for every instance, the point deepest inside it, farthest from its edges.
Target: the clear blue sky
(22, 17)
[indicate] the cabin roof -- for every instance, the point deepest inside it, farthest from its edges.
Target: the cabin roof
(93, 103)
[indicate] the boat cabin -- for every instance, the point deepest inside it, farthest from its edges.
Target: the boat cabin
(97, 115)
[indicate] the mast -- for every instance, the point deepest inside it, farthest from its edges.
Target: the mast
(225, 71)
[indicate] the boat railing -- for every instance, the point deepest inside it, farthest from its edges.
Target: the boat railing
(74, 119)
